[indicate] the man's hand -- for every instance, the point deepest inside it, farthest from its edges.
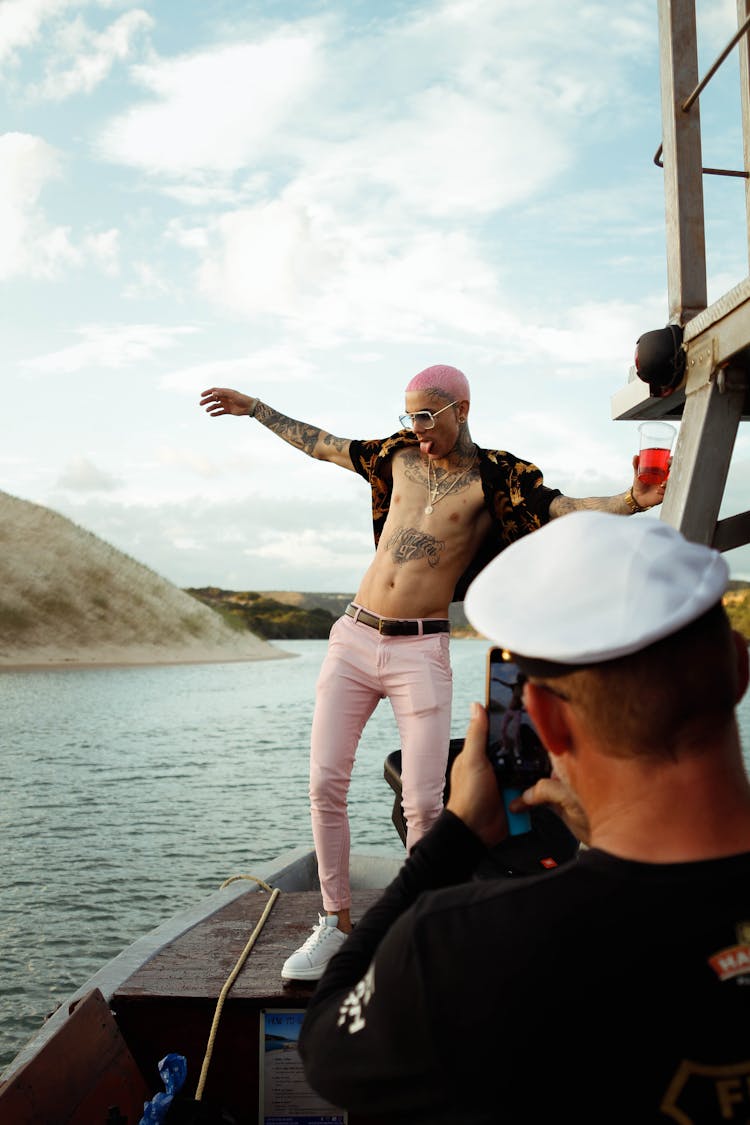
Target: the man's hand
(555, 793)
(646, 495)
(223, 400)
(474, 795)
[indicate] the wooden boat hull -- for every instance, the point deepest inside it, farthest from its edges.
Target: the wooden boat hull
(96, 1057)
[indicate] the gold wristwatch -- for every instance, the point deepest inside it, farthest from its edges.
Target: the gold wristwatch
(632, 503)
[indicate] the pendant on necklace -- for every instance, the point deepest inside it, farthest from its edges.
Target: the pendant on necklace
(428, 510)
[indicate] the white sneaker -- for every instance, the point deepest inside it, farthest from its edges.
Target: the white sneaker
(310, 960)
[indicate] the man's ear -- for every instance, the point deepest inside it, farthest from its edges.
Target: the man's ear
(550, 717)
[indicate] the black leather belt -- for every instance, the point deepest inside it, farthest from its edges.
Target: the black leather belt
(391, 627)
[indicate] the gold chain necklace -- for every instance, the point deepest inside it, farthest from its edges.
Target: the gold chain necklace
(434, 497)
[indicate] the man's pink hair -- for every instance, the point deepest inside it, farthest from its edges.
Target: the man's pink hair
(443, 380)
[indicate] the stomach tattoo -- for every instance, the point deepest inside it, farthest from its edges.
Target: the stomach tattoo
(408, 544)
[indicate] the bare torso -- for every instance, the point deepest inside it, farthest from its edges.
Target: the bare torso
(421, 555)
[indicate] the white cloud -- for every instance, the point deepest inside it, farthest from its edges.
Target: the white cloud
(716, 22)
(280, 363)
(110, 346)
(268, 258)
(330, 551)
(104, 248)
(450, 154)
(30, 244)
(475, 108)
(333, 280)
(363, 217)
(172, 457)
(581, 460)
(214, 110)
(332, 283)
(239, 544)
(592, 333)
(21, 22)
(83, 58)
(82, 475)
(147, 281)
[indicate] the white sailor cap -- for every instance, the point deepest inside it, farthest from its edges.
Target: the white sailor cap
(591, 586)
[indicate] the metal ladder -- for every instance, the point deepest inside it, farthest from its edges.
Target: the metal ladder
(714, 395)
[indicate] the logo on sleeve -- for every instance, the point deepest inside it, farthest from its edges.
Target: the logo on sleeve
(352, 1010)
(734, 961)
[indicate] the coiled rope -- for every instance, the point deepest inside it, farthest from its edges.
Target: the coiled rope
(275, 892)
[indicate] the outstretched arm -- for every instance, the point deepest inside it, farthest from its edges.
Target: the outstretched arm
(644, 496)
(313, 441)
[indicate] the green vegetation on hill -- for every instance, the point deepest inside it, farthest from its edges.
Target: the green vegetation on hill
(288, 615)
(737, 605)
(266, 616)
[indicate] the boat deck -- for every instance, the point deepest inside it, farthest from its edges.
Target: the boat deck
(168, 1004)
(196, 965)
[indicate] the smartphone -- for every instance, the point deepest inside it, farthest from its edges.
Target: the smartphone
(513, 745)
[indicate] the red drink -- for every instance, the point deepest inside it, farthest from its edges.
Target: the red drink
(653, 466)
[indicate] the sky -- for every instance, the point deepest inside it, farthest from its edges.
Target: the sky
(312, 202)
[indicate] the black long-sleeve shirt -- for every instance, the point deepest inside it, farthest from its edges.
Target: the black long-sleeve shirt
(608, 991)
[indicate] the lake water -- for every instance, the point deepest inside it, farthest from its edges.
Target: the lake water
(129, 793)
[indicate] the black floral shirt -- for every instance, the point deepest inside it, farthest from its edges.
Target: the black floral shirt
(514, 494)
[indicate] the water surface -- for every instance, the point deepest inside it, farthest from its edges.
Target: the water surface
(127, 794)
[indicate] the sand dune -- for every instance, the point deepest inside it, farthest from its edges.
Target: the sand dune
(67, 597)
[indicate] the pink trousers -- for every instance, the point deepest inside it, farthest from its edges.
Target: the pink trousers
(362, 667)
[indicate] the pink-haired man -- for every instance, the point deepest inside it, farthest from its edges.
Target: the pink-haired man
(442, 508)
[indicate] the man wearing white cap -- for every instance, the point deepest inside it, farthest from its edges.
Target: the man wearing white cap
(442, 507)
(617, 988)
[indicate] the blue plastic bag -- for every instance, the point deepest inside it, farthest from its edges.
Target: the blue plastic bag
(173, 1071)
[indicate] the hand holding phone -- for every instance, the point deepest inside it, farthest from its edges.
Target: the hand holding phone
(513, 745)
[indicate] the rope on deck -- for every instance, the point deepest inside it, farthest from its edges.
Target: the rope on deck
(252, 878)
(275, 892)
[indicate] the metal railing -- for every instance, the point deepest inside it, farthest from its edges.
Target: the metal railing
(695, 94)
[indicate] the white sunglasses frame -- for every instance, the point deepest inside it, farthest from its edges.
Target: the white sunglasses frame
(407, 420)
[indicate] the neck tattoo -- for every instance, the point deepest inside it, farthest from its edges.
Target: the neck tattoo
(434, 495)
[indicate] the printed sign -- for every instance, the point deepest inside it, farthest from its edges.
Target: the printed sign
(285, 1096)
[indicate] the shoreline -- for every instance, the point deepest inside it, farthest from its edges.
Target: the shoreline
(72, 663)
(57, 661)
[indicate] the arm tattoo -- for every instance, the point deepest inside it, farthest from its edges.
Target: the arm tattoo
(408, 544)
(562, 505)
(298, 434)
(335, 442)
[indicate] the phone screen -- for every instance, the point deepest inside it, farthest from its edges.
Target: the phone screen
(513, 745)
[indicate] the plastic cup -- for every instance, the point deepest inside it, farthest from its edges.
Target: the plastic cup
(657, 439)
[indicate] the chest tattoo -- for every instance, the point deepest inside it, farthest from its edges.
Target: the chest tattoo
(408, 544)
(414, 468)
